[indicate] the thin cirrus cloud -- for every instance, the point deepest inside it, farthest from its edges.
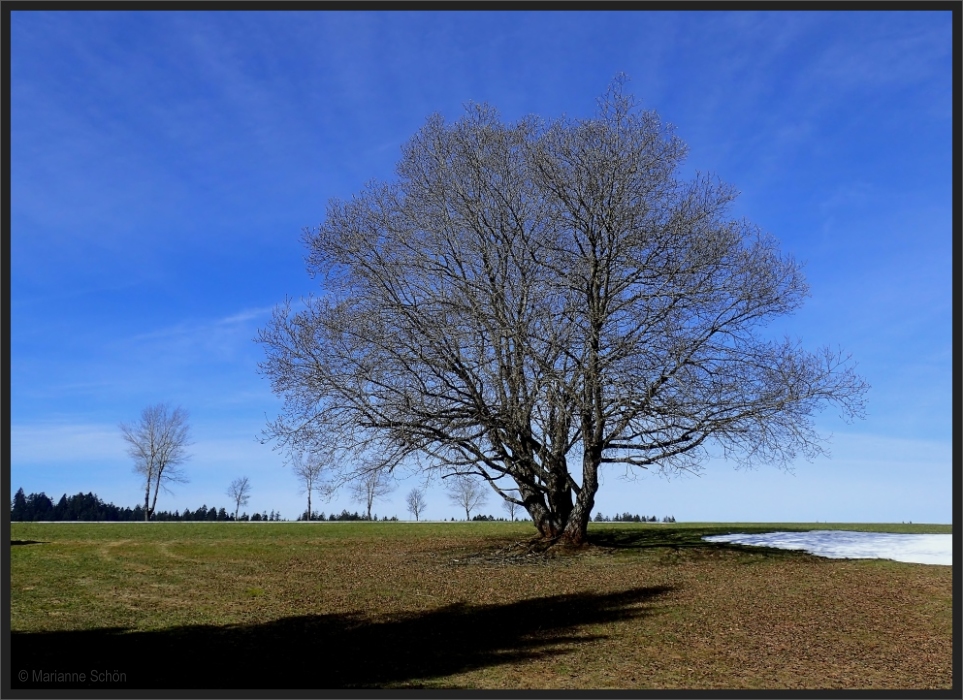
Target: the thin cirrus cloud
(65, 443)
(210, 334)
(134, 367)
(220, 347)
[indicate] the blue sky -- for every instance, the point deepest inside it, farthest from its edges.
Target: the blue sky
(163, 165)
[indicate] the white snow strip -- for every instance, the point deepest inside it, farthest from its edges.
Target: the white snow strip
(844, 544)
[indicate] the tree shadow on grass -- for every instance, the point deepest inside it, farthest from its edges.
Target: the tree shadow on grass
(679, 539)
(324, 651)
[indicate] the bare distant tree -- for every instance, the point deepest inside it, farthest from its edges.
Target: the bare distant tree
(370, 487)
(511, 504)
(532, 302)
(157, 444)
(466, 492)
(308, 467)
(416, 502)
(239, 492)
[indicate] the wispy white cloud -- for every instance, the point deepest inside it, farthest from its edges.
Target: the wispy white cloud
(246, 315)
(883, 58)
(219, 335)
(203, 363)
(893, 451)
(64, 443)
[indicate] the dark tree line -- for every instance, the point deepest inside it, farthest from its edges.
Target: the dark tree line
(629, 518)
(39, 506)
(344, 516)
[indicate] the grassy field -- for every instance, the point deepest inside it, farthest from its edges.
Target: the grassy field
(454, 605)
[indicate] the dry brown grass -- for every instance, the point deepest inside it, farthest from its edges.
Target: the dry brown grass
(358, 608)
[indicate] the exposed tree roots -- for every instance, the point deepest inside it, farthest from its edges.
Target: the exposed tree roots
(536, 550)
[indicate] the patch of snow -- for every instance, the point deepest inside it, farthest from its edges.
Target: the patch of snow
(845, 544)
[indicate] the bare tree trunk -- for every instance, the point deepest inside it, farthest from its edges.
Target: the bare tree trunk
(576, 529)
(573, 528)
(548, 526)
(546, 522)
(154, 503)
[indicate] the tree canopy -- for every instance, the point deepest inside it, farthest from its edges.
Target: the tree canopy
(528, 302)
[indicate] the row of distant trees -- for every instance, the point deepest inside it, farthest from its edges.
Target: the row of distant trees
(344, 515)
(467, 493)
(629, 518)
(157, 444)
(87, 506)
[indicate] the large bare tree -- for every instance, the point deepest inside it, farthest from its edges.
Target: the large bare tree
(158, 445)
(529, 302)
